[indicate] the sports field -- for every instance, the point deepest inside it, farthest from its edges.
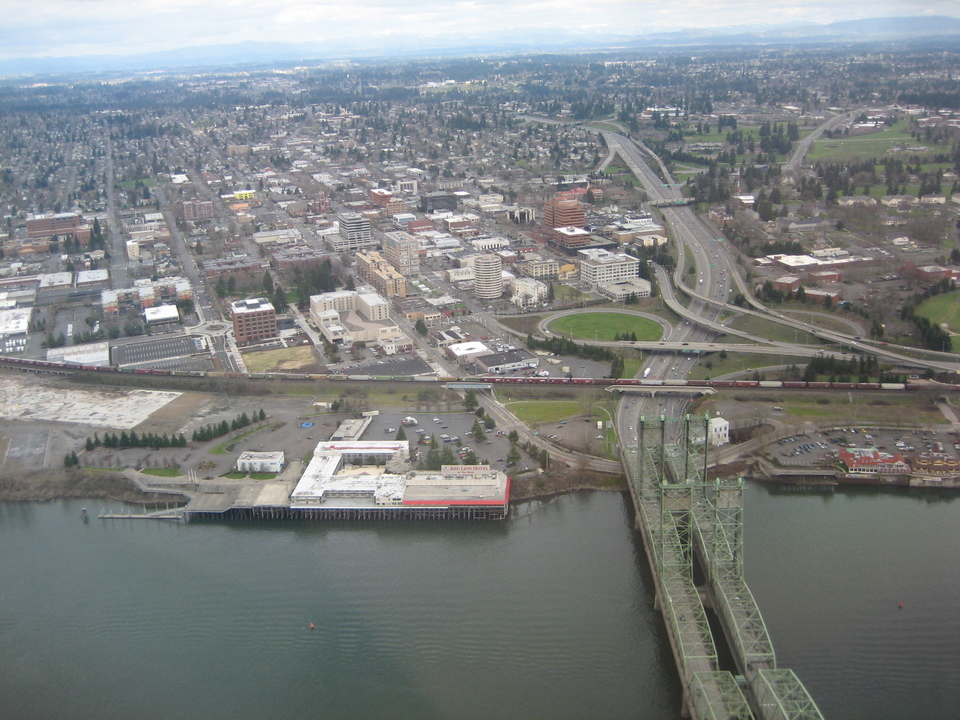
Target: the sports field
(605, 326)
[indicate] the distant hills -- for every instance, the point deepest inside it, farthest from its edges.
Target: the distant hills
(510, 40)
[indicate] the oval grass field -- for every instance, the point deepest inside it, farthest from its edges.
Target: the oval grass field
(605, 326)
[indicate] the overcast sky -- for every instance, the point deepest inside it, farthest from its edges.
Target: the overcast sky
(37, 28)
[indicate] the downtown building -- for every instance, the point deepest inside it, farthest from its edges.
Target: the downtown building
(402, 250)
(488, 277)
(254, 319)
(355, 234)
(601, 267)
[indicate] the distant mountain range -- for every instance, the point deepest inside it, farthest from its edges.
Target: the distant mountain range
(512, 40)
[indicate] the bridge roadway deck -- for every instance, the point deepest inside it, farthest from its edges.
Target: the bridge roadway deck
(710, 693)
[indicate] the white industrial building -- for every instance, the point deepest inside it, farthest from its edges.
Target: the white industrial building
(260, 462)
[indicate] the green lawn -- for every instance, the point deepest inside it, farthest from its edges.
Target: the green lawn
(631, 367)
(872, 145)
(944, 308)
(738, 362)
(532, 412)
(605, 326)
(568, 293)
(769, 331)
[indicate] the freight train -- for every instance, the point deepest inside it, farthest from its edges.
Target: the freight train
(46, 366)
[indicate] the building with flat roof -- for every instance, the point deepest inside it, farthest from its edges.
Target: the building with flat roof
(623, 290)
(569, 238)
(193, 210)
(260, 462)
(600, 267)
(254, 319)
(161, 314)
(504, 362)
(49, 225)
(402, 250)
(560, 212)
(355, 233)
(466, 351)
(336, 484)
(15, 322)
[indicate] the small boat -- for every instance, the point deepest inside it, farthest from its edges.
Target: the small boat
(83, 515)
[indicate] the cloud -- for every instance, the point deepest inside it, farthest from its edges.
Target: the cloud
(82, 27)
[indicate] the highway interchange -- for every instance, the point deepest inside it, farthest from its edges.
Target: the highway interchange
(715, 279)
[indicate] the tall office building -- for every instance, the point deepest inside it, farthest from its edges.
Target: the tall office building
(355, 233)
(558, 213)
(402, 250)
(488, 277)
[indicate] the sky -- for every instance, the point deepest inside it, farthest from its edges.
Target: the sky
(77, 28)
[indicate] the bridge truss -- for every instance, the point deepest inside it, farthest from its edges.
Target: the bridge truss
(687, 518)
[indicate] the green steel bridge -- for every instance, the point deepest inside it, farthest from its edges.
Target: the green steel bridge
(686, 518)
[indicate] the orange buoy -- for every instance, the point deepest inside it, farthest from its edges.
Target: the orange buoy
(312, 626)
(900, 606)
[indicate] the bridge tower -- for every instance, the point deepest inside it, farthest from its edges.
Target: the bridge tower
(683, 516)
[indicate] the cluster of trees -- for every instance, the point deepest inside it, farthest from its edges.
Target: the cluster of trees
(617, 367)
(213, 431)
(276, 293)
(777, 138)
(71, 459)
(124, 440)
(931, 334)
(315, 280)
(540, 455)
(841, 370)
(435, 457)
(565, 346)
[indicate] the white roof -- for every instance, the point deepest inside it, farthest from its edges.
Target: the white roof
(161, 313)
(56, 279)
(465, 349)
(15, 321)
(88, 276)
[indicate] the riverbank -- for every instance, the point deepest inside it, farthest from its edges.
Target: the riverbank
(97, 484)
(73, 484)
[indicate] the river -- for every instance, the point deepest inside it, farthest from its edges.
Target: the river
(544, 616)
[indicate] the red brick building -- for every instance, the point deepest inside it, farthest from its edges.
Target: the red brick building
(254, 319)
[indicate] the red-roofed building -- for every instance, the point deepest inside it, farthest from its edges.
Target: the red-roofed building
(871, 460)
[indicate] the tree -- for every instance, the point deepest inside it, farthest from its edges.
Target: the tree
(470, 401)
(267, 282)
(513, 457)
(477, 431)
(280, 300)
(513, 436)
(421, 327)
(401, 434)
(489, 423)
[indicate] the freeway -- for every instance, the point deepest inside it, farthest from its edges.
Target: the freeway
(693, 233)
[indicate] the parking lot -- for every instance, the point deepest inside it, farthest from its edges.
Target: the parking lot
(821, 447)
(455, 426)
